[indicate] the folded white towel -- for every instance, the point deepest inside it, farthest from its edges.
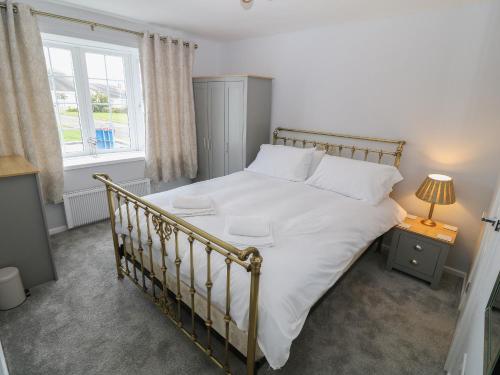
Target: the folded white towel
(192, 202)
(250, 226)
(255, 232)
(188, 212)
(191, 205)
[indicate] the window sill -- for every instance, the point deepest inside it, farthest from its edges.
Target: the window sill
(79, 162)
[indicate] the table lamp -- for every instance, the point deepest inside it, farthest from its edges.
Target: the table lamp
(436, 189)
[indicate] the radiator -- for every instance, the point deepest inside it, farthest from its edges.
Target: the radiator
(91, 205)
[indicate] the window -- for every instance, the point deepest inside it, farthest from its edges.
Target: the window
(95, 90)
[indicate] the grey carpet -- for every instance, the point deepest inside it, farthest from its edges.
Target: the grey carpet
(373, 321)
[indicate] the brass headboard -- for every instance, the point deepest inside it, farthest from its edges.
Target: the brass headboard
(300, 137)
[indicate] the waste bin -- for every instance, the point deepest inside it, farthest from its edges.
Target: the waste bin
(11, 288)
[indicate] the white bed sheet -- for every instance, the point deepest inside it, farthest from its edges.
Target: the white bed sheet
(318, 235)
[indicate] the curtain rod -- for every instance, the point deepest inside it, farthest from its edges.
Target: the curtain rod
(92, 24)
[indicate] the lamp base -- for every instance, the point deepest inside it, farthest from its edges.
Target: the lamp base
(428, 222)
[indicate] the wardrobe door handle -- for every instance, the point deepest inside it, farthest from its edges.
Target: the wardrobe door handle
(414, 262)
(418, 247)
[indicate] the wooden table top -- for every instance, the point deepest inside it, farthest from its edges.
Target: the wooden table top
(15, 165)
(414, 225)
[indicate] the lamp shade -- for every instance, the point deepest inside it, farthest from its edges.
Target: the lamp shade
(438, 189)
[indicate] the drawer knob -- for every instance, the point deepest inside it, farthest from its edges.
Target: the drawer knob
(418, 247)
(414, 262)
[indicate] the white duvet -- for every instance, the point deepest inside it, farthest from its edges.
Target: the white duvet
(317, 236)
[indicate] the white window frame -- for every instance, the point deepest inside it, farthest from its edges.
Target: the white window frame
(78, 48)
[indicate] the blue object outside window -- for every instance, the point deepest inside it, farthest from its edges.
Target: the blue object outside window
(105, 138)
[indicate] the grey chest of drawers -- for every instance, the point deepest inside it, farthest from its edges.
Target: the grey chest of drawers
(420, 250)
(24, 239)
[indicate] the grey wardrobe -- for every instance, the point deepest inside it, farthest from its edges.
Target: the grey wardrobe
(233, 118)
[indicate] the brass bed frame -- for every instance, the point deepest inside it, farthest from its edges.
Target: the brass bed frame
(134, 253)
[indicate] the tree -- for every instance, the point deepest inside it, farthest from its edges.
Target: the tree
(99, 102)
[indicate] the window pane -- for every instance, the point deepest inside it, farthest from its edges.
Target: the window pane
(119, 118)
(119, 114)
(47, 61)
(65, 89)
(69, 122)
(101, 116)
(114, 67)
(122, 136)
(117, 89)
(109, 101)
(98, 90)
(95, 65)
(61, 61)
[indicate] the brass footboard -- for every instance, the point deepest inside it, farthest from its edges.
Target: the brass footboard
(137, 263)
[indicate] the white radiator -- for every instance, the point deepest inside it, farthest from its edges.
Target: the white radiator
(91, 205)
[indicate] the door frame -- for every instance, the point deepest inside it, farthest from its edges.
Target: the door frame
(469, 332)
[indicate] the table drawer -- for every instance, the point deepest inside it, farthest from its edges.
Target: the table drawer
(418, 254)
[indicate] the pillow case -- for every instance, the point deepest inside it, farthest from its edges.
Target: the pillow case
(363, 180)
(316, 159)
(287, 162)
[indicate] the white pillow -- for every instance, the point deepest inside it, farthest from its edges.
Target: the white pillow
(357, 179)
(316, 159)
(287, 162)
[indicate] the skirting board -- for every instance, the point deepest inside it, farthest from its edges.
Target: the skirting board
(3, 365)
(62, 228)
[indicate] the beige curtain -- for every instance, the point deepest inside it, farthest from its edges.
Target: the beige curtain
(27, 120)
(168, 94)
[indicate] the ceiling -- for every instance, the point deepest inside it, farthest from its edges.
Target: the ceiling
(227, 20)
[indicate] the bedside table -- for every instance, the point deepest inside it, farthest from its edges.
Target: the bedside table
(420, 250)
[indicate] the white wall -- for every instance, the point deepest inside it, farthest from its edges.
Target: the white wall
(431, 78)
(207, 62)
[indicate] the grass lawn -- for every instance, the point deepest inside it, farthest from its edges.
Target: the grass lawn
(72, 135)
(120, 118)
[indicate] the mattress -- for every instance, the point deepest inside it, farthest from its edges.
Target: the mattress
(318, 234)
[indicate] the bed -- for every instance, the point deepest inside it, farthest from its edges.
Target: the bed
(256, 300)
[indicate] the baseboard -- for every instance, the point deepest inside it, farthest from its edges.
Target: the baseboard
(62, 228)
(3, 365)
(464, 364)
(454, 271)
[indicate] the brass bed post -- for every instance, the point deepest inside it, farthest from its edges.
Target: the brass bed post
(111, 208)
(255, 264)
(227, 315)
(150, 253)
(140, 248)
(209, 284)
(118, 198)
(192, 290)
(178, 261)
(399, 152)
(130, 228)
(275, 136)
